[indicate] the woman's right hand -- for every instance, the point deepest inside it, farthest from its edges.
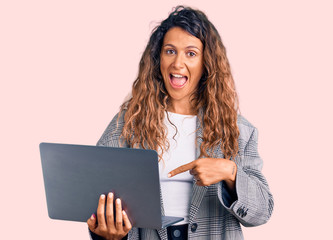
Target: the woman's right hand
(110, 228)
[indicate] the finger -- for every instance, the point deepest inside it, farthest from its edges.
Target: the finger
(100, 212)
(92, 223)
(128, 225)
(182, 169)
(199, 183)
(109, 211)
(193, 171)
(119, 215)
(202, 183)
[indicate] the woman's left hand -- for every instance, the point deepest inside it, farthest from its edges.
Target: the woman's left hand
(207, 171)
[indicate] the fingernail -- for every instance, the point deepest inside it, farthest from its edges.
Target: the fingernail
(102, 196)
(118, 201)
(93, 216)
(169, 175)
(110, 195)
(124, 212)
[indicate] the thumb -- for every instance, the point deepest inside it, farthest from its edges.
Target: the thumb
(92, 223)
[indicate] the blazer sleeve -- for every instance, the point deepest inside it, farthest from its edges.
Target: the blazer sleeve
(254, 203)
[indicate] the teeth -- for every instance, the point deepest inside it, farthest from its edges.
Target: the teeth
(177, 76)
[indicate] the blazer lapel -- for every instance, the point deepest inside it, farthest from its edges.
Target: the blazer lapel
(198, 192)
(163, 231)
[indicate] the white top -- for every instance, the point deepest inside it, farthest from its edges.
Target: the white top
(177, 191)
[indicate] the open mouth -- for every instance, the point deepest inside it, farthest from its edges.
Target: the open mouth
(177, 80)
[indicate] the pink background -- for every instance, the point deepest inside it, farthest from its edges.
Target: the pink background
(66, 66)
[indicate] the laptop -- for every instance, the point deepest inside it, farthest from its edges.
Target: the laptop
(76, 175)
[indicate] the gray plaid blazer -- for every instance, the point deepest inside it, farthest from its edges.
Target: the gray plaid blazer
(214, 212)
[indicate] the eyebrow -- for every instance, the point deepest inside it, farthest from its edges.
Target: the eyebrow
(168, 44)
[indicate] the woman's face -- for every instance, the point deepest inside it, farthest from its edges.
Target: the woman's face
(181, 65)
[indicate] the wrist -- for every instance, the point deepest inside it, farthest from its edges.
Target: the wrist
(233, 171)
(231, 178)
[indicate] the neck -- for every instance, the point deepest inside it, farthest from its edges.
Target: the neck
(184, 108)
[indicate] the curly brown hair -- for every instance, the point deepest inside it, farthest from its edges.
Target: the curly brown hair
(215, 100)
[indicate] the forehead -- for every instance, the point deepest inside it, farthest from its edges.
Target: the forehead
(180, 38)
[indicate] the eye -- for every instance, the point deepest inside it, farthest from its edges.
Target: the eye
(170, 51)
(191, 54)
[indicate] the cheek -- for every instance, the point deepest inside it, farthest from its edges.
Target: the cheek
(163, 67)
(163, 73)
(200, 70)
(197, 71)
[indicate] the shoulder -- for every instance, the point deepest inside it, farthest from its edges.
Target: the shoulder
(113, 131)
(244, 125)
(117, 122)
(246, 130)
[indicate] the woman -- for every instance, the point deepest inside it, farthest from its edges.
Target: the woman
(184, 105)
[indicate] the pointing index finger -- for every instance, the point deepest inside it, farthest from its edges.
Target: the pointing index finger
(182, 169)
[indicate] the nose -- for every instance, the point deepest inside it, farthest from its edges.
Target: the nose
(178, 61)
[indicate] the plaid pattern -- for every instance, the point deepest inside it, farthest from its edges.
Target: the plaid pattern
(214, 213)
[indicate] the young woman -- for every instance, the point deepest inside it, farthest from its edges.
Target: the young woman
(184, 106)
